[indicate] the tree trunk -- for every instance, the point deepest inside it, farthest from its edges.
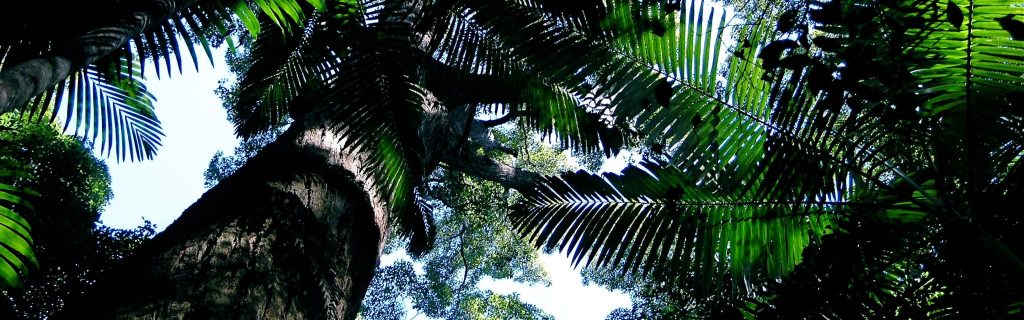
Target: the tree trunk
(294, 234)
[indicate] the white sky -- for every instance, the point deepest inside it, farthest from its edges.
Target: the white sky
(196, 127)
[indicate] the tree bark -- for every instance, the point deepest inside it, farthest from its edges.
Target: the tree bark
(293, 234)
(296, 233)
(24, 81)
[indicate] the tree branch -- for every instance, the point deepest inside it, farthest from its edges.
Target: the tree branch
(28, 79)
(462, 254)
(457, 87)
(478, 131)
(488, 169)
(512, 115)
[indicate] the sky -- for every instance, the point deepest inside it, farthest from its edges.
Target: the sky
(196, 127)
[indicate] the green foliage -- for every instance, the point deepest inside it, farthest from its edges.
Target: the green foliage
(702, 112)
(73, 182)
(64, 276)
(15, 231)
(49, 164)
(71, 251)
(111, 106)
(936, 136)
(472, 245)
(893, 125)
(221, 166)
(474, 241)
(772, 128)
(651, 214)
(107, 101)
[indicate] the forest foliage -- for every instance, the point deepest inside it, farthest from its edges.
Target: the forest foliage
(801, 159)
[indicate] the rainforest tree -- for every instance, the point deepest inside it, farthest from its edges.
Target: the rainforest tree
(474, 241)
(771, 128)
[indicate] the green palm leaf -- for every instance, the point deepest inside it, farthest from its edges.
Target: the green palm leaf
(279, 71)
(652, 214)
(111, 106)
(507, 84)
(664, 79)
(16, 254)
(353, 66)
(106, 101)
(925, 90)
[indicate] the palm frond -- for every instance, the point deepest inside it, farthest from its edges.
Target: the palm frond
(652, 214)
(108, 106)
(902, 93)
(16, 255)
(660, 72)
(507, 84)
(107, 100)
(352, 67)
(279, 71)
(556, 112)
(216, 19)
(880, 269)
(969, 66)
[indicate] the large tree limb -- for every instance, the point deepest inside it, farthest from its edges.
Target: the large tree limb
(456, 87)
(491, 170)
(22, 82)
(512, 115)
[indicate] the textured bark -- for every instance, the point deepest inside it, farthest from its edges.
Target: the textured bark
(294, 234)
(22, 82)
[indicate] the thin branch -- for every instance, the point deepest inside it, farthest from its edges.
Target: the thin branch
(462, 254)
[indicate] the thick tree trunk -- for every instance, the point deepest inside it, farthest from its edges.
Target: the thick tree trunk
(294, 234)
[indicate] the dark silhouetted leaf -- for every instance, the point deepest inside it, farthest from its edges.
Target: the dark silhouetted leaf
(770, 53)
(670, 8)
(657, 148)
(673, 193)
(827, 44)
(954, 15)
(818, 78)
(663, 92)
(795, 62)
(1014, 27)
(656, 27)
(787, 20)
